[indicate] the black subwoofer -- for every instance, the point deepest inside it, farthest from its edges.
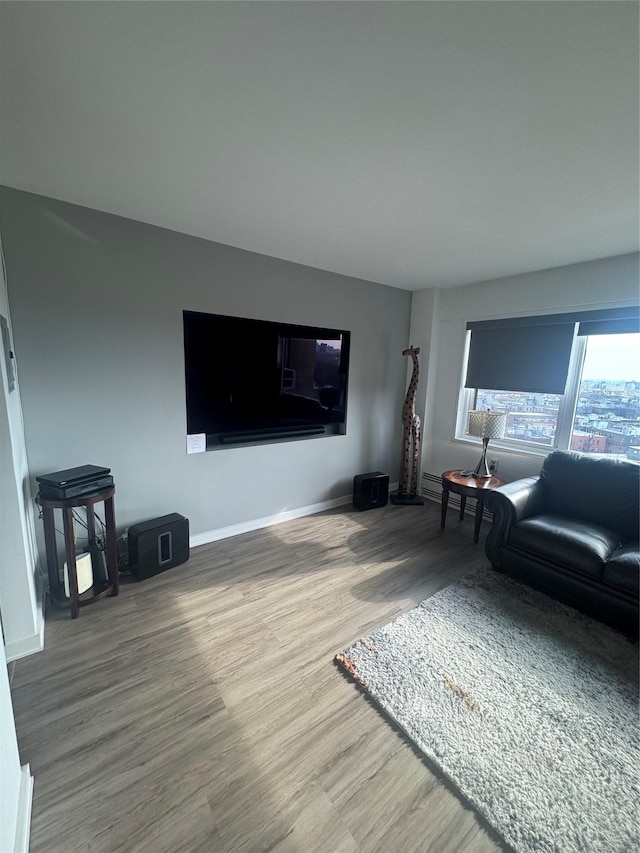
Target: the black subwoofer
(370, 490)
(158, 545)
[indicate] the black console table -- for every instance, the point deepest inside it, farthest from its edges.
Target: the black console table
(67, 505)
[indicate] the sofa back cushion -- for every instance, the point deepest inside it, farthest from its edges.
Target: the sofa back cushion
(598, 490)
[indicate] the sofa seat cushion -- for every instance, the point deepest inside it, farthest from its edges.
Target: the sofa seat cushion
(622, 569)
(577, 545)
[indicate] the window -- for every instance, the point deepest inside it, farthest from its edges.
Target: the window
(607, 418)
(531, 417)
(599, 411)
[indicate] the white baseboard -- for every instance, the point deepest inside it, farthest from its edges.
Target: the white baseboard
(29, 645)
(23, 818)
(270, 520)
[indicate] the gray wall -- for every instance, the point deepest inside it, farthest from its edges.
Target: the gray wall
(97, 305)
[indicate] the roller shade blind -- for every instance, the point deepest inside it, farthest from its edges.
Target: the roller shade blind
(520, 357)
(611, 323)
(532, 353)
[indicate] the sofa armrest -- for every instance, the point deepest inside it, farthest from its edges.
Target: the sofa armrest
(509, 504)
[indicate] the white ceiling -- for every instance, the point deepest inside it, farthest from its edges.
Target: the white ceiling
(418, 144)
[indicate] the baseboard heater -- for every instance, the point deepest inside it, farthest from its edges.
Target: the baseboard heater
(261, 434)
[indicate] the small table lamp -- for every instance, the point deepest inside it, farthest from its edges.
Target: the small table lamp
(485, 425)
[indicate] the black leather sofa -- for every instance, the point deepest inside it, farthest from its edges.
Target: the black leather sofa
(573, 533)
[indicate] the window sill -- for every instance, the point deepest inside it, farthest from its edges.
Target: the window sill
(516, 448)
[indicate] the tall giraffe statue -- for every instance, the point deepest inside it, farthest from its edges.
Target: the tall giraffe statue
(411, 437)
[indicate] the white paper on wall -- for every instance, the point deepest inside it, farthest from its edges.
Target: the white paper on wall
(196, 443)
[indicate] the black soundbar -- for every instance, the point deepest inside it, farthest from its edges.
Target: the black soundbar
(259, 434)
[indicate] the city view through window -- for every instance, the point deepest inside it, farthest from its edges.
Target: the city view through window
(607, 414)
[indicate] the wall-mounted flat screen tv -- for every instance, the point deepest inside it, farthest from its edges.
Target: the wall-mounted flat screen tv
(256, 381)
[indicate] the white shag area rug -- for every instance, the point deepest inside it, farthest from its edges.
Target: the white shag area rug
(529, 707)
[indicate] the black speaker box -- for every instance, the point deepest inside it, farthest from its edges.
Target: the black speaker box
(370, 490)
(158, 545)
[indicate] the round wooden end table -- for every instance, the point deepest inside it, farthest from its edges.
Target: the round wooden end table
(467, 487)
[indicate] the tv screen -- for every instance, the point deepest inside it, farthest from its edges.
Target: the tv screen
(255, 381)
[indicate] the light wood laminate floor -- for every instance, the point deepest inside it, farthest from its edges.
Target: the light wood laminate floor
(201, 709)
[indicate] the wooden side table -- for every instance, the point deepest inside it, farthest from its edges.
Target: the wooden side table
(98, 590)
(467, 487)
